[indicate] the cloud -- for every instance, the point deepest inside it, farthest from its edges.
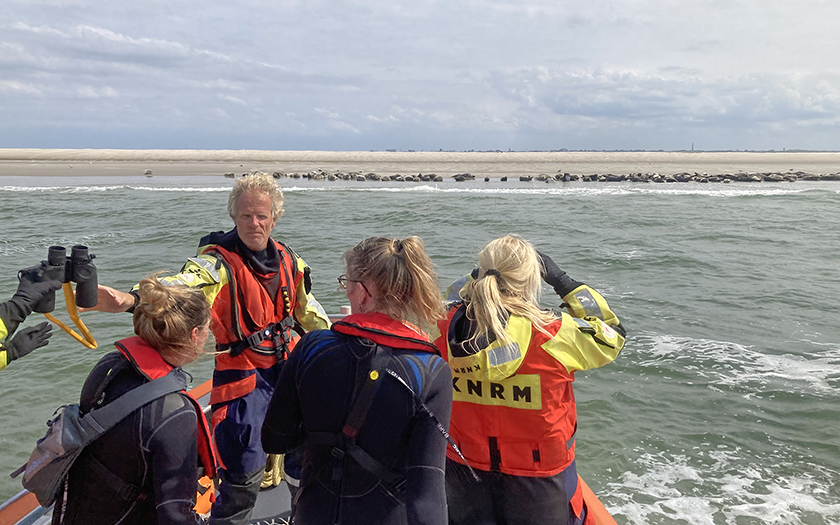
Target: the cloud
(218, 113)
(342, 126)
(12, 86)
(93, 92)
(457, 74)
(327, 113)
(234, 100)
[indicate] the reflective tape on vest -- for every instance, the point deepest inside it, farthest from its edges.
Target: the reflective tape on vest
(589, 304)
(209, 267)
(520, 391)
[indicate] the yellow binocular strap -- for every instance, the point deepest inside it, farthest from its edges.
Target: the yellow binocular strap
(86, 338)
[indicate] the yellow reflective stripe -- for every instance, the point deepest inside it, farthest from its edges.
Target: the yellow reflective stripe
(502, 355)
(520, 391)
(499, 360)
(583, 344)
(209, 267)
(196, 273)
(584, 301)
(3, 330)
(4, 359)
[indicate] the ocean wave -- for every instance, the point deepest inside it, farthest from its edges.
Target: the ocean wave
(728, 364)
(102, 189)
(667, 488)
(39, 247)
(592, 189)
(614, 189)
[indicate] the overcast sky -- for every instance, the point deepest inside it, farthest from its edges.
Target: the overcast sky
(424, 75)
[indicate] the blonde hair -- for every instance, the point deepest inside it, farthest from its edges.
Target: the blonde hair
(508, 283)
(165, 316)
(261, 182)
(403, 275)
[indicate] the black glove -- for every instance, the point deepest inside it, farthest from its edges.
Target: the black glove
(29, 292)
(557, 278)
(15, 310)
(28, 340)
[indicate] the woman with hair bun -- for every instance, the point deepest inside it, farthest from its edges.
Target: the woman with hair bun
(513, 364)
(368, 401)
(144, 469)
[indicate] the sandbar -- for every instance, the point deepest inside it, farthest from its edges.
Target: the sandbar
(120, 162)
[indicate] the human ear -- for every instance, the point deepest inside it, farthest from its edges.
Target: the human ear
(194, 335)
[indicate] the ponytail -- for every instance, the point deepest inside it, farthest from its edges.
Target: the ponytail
(403, 275)
(508, 283)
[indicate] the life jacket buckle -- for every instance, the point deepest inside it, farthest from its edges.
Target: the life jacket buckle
(258, 337)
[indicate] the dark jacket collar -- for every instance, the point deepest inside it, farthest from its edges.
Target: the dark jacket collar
(264, 262)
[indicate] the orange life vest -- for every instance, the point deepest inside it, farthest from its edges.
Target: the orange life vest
(250, 328)
(513, 407)
(149, 362)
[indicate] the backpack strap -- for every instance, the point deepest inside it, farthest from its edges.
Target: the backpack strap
(369, 387)
(100, 420)
(368, 382)
(356, 418)
(125, 491)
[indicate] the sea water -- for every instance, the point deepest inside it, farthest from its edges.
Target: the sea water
(724, 406)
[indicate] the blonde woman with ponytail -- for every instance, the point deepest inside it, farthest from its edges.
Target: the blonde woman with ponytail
(513, 364)
(367, 401)
(144, 469)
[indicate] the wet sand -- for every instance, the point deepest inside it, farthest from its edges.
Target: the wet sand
(110, 162)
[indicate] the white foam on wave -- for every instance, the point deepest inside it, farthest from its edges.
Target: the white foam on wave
(31, 189)
(723, 191)
(425, 188)
(738, 365)
(669, 485)
(591, 189)
(102, 189)
(40, 246)
(224, 189)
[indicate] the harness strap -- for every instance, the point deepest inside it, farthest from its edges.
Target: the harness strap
(279, 334)
(98, 421)
(125, 491)
(364, 399)
(394, 479)
(344, 442)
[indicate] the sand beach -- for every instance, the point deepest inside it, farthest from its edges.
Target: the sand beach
(113, 162)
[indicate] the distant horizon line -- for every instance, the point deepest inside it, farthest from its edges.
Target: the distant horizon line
(397, 150)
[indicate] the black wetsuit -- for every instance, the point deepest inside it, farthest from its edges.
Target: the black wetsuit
(150, 459)
(314, 395)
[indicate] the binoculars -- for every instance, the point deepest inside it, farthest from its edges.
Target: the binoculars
(78, 268)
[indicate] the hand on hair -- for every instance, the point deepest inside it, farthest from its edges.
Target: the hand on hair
(28, 340)
(553, 275)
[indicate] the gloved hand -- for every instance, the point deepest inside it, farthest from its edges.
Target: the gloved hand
(15, 310)
(29, 292)
(553, 275)
(28, 340)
